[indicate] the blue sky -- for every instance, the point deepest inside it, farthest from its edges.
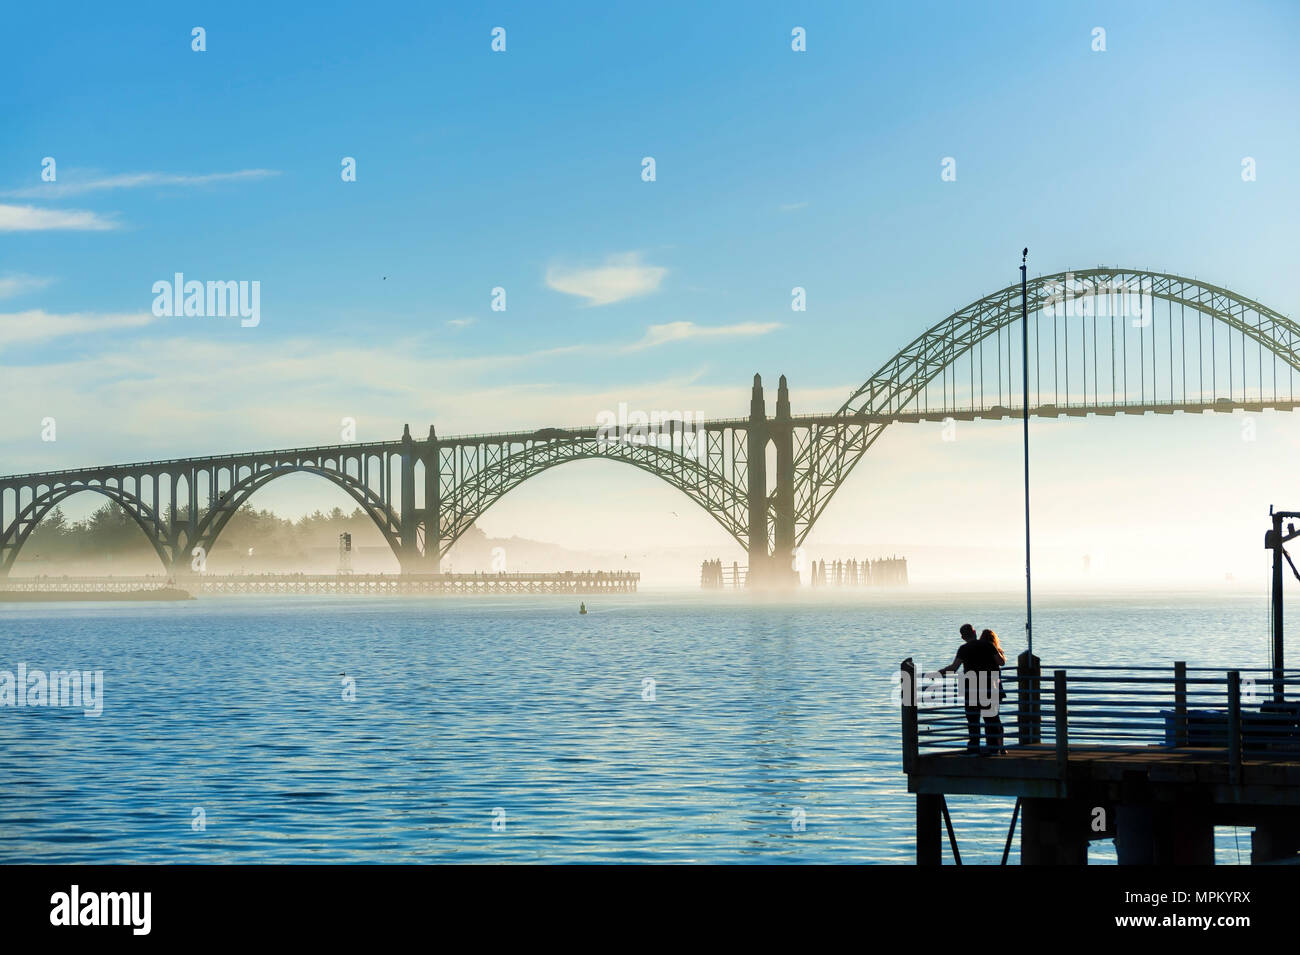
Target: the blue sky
(522, 170)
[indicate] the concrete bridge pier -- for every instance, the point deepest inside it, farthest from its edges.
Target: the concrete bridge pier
(773, 568)
(756, 466)
(432, 512)
(410, 558)
(179, 530)
(783, 569)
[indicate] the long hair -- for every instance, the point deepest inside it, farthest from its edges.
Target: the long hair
(988, 636)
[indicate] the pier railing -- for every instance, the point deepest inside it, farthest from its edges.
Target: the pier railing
(1239, 714)
(565, 582)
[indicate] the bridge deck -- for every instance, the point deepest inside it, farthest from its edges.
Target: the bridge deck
(591, 432)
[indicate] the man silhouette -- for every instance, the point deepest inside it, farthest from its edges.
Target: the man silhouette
(978, 663)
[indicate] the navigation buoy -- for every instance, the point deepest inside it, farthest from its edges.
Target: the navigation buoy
(582, 608)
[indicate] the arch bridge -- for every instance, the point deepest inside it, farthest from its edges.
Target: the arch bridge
(1102, 341)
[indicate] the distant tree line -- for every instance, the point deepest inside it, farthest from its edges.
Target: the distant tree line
(112, 533)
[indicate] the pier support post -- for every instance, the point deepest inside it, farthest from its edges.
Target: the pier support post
(929, 829)
(1134, 836)
(910, 697)
(1029, 714)
(1184, 835)
(1180, 703)
(1234, 727)
(756, 453)
(1274, 841)
(1164, 834)
(1060, 715)
(1053, 832)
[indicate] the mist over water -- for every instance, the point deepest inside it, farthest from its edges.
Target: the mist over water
(465, 706)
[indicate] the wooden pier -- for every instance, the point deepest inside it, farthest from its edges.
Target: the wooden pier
(1152, 757)
(567, 582)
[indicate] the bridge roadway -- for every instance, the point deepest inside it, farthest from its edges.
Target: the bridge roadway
(631, 435)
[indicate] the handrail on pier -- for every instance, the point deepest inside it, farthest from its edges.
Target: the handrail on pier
(1062, 714)
(1230, 714)
(909, 699)
(1234, 726)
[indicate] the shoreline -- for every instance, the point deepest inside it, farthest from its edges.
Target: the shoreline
(82, 596)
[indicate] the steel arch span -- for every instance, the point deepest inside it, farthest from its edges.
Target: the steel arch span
(183, 504)
(214, 520)
(15, 533)
(471, 490)
(1102, 341)
(1120, 341)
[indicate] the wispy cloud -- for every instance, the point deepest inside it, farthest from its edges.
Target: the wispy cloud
(460, 322)
(32, 219)
(792, 206)
(621, 277)
(135, 180)
(655, 335)
(133, 403)
(12, 285)
(684, 331)
(37, 325)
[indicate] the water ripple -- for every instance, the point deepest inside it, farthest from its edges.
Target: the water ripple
(520, 712)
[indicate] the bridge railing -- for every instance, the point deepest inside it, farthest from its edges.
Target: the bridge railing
(357, 447)
(584, 432)
(1236, 714)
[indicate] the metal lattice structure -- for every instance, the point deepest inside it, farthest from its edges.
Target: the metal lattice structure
(1189, 346)
(1102, 341)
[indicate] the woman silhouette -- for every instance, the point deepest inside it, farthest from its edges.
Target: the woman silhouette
(993, 724)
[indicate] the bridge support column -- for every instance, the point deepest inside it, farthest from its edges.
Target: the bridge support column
(783, 567)
(432, 505)
(191, 519)
(759, 560)
(6, 557)
(410, 557)
(180, 560)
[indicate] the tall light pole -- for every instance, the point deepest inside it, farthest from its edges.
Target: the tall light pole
(1274, 541)
(1024, 344)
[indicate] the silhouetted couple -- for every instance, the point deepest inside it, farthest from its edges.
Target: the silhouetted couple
(981, 659)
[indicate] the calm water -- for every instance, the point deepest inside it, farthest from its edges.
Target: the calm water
(467, 706)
